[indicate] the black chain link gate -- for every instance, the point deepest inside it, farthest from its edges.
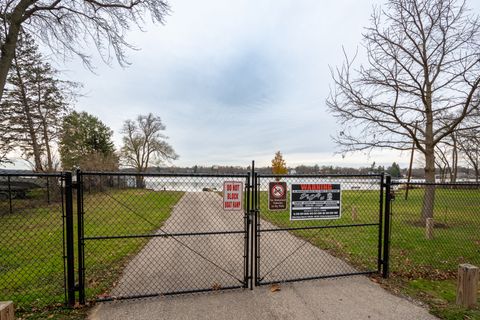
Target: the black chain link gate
(288, 250)
(144, 235)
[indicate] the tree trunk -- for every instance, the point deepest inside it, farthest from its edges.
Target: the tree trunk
(429, 197)
(11, 39)
(477, 173)
(140, 182)
(453, 178)
(46, 139)
(30, 124)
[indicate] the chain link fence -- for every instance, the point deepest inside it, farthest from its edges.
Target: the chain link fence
(141, 235)
(146, 235)
(295, 250)
(452, 236)
(32, 240)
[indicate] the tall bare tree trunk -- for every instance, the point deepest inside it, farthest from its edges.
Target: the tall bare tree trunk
(11, 39)
(46, 138)
(477, 172)
(140, 181)
(453, 178)
(31, 127)
(429, 197)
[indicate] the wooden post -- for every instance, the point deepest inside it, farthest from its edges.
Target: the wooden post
(467, 285)
(7, 311)
(354, 213)
(429, 228)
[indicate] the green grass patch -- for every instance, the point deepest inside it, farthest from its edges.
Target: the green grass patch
(440, 296)
(358, 245)
(31, 250)
(425, 268)
(117, 214)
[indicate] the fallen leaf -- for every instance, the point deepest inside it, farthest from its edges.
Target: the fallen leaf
(275, 288)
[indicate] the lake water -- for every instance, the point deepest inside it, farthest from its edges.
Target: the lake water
(197, 184)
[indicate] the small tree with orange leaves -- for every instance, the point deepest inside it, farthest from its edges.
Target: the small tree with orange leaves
(278, 164)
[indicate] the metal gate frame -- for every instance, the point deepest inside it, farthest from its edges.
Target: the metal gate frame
(252, 230)
(383, 225)
(82, 239)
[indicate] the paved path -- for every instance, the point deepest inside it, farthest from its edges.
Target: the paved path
(198, 262)
(331, 299)
(189, 262)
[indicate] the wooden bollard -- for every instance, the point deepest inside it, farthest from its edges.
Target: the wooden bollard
(354, 213)
(467, 285)
(429, 228)
(7, 311)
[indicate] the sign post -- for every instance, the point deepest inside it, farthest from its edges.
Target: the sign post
(277, 196)
(232, 195)
(315, 201)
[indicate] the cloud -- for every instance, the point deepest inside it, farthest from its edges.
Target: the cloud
(235, 80)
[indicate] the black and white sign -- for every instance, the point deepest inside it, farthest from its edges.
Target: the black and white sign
(315, 201)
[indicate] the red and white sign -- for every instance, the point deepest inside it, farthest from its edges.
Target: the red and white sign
(232, 195)
(277, 196)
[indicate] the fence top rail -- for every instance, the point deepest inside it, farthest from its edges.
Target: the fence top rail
(269, 175)
(442, 184)
(145, 174)
(32, 174)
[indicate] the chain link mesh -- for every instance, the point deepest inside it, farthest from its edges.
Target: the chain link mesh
(32, 240)
(294, 250)
(454, 237)
(154, 234)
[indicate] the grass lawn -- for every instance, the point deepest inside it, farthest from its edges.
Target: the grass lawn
(130, 212)
(425, 269)
(31, 246)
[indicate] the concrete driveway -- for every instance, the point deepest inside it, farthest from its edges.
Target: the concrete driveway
(330, 299)
(199, 262)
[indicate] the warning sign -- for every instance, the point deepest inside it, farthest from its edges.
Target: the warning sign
(232, 195)
(277, 196)
(315, 201)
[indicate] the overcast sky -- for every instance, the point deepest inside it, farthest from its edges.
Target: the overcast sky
(236, 80)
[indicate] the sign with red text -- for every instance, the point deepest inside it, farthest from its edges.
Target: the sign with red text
(277, 196)
(313, 201)
(232, 195)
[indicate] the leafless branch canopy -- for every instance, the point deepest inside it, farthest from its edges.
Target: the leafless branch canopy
(68, 26)
(422, 71)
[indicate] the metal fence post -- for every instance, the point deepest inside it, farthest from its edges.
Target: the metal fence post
(80, 244)
(256, 209)
(248, 217)
(386, 234)
(380, 224)
(70, 239)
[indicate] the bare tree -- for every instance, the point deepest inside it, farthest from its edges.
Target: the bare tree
(422, 66)
(144, 144)
(66, 26)
(469, 145)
